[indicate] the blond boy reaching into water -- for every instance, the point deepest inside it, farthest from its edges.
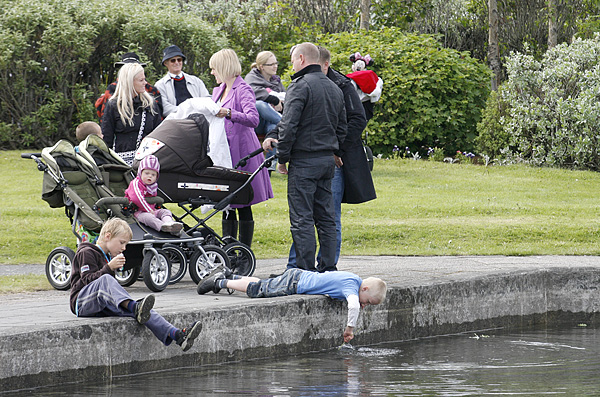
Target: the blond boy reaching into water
(95, 292)
(337, 285)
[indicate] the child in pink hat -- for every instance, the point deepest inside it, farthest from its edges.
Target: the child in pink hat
(146, 185)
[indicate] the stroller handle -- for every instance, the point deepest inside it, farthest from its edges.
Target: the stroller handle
(258, 151)
(244, 159)
(30, 155)
(104, 201)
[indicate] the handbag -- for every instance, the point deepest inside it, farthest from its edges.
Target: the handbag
(129, 156)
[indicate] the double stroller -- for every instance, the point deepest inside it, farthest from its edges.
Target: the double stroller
(89, 182)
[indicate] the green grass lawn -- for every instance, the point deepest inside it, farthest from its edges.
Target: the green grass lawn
(423, 208)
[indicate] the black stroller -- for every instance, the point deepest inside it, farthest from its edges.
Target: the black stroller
(89, 183)
(188, 178)
(72, 182)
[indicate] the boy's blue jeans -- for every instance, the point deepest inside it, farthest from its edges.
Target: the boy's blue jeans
(103, 298)
(286, 284)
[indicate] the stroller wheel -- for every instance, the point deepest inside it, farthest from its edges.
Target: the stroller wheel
(58, 268)
(178, 262)
(127, 277)
(156, 270)
(243, 261)
(205, 259)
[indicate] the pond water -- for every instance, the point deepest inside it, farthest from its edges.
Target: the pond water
(540, 362)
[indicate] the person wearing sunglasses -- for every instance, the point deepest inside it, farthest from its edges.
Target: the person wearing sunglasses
(176, 86)
(269, 93)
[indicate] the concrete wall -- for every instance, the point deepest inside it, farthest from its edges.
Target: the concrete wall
(102, 348)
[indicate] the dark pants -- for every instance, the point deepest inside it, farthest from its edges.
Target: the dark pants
(311, 204)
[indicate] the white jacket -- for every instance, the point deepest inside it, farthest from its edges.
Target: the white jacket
(167, 91)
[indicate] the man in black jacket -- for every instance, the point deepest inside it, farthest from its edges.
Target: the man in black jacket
(352, 182)
(311, 131)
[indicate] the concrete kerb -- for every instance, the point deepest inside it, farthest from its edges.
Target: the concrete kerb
(427, 297)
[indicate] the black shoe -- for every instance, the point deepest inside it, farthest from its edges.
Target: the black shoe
(209, 283)
(186, 336)
(142, 309)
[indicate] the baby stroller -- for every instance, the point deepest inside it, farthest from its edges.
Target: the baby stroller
(188, 179)
(74, 181)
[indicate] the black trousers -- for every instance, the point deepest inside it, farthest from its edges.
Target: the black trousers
(311, 205)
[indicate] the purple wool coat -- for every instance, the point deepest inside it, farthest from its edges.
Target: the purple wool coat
(241, 136)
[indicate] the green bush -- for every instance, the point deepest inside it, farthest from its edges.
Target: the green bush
(432, 97)
(492, 138)
(552, 112)
(57, 56)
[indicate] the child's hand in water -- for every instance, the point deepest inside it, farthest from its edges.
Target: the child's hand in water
(348, 334)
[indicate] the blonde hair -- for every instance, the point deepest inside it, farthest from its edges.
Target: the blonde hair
(226, 63)
(262, 58)
(377, 288)
(87, 128)
(116, 227)
(125, 93)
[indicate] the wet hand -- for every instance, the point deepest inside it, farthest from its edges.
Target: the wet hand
(348, 334)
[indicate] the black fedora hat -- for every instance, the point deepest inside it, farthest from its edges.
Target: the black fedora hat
(172, 51)
(129, 57)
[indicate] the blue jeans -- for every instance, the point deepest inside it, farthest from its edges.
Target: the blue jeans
(103, 297)
(269, 118)
(337, 189)
(286, 284)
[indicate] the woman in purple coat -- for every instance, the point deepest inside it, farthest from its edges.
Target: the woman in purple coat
(238, 106)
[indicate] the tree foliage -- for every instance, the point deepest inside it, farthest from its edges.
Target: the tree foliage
(432, 96)
(550, 107)
(57, 56)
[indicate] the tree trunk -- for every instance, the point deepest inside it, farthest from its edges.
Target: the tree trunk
(493, 48)
(552, 24)
(365, 15)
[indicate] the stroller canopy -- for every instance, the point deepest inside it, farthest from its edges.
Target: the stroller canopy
(180, 145)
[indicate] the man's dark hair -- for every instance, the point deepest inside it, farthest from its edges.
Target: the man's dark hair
(324, 55)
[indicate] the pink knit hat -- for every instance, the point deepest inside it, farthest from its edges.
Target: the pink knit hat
(150, 162)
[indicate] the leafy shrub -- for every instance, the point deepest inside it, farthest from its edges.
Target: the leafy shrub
(492, 138)
(431, 96)
(57, 56)
(252, 26)
(553, 106)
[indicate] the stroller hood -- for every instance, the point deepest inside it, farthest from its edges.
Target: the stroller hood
(180, 145)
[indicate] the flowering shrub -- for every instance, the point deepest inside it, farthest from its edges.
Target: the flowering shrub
(464, 157)
(549, 109)
(435, 154)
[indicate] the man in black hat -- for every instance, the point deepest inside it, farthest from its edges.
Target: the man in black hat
(128, 57)
(177, 86)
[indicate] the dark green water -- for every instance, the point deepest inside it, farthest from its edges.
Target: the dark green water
(545, 362)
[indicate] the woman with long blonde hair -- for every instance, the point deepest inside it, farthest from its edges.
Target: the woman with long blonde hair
(130, 114)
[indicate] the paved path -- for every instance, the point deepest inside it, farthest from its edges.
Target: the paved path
(50, 308)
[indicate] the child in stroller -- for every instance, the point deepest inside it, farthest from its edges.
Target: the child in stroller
(90, 185)
(76, 182)
(145, 185)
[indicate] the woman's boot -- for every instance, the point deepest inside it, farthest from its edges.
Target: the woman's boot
(230, 227)
(246, 232)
